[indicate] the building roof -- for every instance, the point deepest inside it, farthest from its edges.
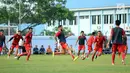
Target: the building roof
(100, 8)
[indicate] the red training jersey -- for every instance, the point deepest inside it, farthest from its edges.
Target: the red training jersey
(16, 39)
(28, 38)
(90, 41)
(99, 41)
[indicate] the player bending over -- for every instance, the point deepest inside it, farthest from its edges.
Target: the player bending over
(99, 40)
(27, 44)
(15, 43)
(81, 44)
(2, 40)
(116, 36)
(62, 39)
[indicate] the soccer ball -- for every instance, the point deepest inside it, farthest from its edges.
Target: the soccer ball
(83, 57)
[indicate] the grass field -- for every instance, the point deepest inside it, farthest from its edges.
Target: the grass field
(62, 64)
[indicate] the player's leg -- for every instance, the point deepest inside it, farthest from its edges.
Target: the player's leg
(28, 54)
(0, 49)
(89, 51)
(99, 53)
(69, 50)
(114, 48)
(10, 50)
(93, 55)
(122, 50)
(23, 52)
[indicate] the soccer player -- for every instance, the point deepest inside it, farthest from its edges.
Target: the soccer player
(116, 36)
(27, 44)
(15, 43)
(81, 44)
(2, 40)
(62, 39)
(99, 40)
(90, 43)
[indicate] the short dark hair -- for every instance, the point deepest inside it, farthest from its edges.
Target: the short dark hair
(117, 22)
(30, 28)
(99, 31)
(1, 30)
(82, 31)
(59, 26)
(93, 33)
(19, 31)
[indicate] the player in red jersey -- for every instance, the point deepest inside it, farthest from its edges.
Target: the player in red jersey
(81, 40)
(90, 43)
(116, 36)
(99, 40)
(15, 43)
(2, 40)
(62, 39)
(27, 44)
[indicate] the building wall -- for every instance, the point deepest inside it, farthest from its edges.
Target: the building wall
(103, 20)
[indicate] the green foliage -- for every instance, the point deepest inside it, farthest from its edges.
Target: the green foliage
(34, 12)
(66, 30)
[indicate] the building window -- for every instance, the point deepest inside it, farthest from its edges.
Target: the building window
(105, 19)
(124, 18)
(81, 17)
(75, 20)
(111, 19)
(99, 19)
(64, 22)
(70, 22)
(94, 19)
(86, 17)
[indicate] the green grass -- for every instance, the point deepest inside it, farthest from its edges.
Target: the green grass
(62, 64)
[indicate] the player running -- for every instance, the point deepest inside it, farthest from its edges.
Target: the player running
(15, 43)
(81, 44)
(90, 43)
(99, 40)
(27, 44)
(116, 36)
(2, 40)
(62, 39)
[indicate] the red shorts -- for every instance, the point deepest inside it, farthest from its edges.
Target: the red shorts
(14, 46)
(81, 47)
(117, 47)
(124, 47)
(89, 48)
(64, 45)
(0, 48)
(28, 47)
(99, 49)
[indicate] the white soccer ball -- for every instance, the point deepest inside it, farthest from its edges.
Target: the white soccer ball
(83, 57)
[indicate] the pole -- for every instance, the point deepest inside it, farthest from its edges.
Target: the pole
(19, 15)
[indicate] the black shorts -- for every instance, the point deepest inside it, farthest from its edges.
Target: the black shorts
(23, 48)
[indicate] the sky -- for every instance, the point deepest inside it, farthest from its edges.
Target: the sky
(94, 3)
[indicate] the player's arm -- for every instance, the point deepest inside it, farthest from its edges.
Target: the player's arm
(110, 38)
(77, 41)
(70, 34)
(11, 38)
(55, 37)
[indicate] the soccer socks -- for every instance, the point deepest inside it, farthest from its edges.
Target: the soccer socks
(28, 56)
(113, 58)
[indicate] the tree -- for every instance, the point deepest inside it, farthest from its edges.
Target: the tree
(34, 12)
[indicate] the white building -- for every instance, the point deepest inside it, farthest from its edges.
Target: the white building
(90, 19)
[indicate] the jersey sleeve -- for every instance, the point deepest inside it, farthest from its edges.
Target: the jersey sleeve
(123, 32)
(57, 34)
